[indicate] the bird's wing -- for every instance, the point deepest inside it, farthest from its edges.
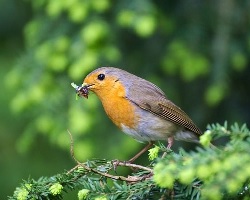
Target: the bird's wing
(155, 102)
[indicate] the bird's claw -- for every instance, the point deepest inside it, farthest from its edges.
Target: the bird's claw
(117, 163)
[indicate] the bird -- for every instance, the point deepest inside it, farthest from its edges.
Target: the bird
(139, 108)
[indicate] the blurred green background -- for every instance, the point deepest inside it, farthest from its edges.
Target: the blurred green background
(198, 52)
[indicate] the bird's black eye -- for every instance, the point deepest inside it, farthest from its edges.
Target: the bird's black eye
(101, 77)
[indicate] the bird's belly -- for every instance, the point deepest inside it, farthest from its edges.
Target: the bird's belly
(151, 128)
(134, 133)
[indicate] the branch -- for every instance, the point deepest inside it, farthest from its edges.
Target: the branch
(117, 163)
(125, 164)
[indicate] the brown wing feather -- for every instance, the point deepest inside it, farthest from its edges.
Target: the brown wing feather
(169, 111)
(152, 99)
(175, 114)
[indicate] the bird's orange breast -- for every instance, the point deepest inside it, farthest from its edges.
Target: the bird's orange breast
(119, 109)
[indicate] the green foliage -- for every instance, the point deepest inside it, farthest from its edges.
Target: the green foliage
(215, 93)
(180, 59)
(207, 173)
(215, 173)
(89, 184)
(66, 39)
(197, 52)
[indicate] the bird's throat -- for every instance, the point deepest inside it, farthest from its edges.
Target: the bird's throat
(118, 108)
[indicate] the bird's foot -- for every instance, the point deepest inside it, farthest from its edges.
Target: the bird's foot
(170, 142)
(128, 163)
(117, 163)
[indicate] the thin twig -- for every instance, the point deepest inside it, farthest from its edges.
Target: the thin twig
(123, 178)
(125, 164)
(71, 170)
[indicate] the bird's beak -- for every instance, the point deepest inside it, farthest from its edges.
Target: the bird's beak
(87, 85)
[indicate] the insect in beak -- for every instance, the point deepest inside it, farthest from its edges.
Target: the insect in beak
(82, 90)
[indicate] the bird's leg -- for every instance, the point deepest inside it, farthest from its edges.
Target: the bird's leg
(170, 142)
(131, 160)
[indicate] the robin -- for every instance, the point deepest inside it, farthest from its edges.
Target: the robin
(139, 108)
